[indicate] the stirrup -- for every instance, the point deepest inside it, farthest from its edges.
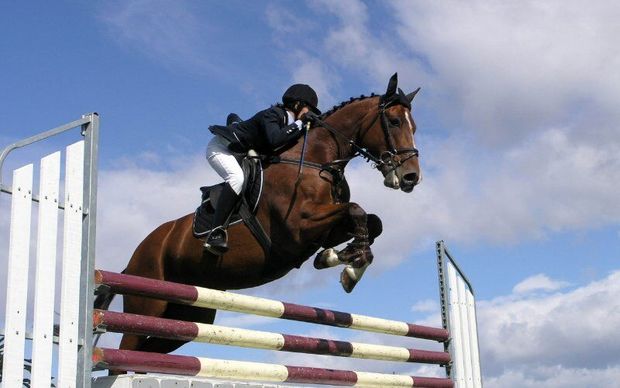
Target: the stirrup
(217, 241)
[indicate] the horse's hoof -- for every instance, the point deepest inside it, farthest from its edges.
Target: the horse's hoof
(326, 259)
(347, 282)
(350, 276)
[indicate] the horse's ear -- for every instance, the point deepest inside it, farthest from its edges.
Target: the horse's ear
(391, 89)
(412, 94)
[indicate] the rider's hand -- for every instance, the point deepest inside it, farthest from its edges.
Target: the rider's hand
(310, 117)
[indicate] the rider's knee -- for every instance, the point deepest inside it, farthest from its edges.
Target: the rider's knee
(236, 182)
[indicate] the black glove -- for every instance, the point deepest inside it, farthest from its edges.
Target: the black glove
(310, 117)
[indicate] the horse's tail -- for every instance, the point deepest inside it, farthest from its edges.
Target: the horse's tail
(102, 302)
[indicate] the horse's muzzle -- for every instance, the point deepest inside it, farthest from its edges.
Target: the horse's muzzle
(408, 182)
(401, 180)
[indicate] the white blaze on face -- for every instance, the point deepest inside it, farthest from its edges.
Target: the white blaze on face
(407, 116)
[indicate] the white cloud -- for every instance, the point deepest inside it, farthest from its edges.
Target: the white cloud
(510, 68)
(425, 306)
(538, 282)
(134, 200)
(348, 47)
(357, 48)
(279, 19)
(555, 376)
(571, 330)
(502, 70)
(312, 71)
(224, 318)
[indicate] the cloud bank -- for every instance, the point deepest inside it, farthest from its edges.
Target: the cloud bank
(560, 339)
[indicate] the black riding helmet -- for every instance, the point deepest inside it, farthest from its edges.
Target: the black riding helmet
(303, 93)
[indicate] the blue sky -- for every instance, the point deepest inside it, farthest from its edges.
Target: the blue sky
(517, 129)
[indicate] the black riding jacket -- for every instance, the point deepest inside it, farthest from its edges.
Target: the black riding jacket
(266, 132)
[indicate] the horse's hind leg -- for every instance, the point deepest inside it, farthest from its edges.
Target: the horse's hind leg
(169, 311)
(141, 306)
(178, 312)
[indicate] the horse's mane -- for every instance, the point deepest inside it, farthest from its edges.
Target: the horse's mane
(336, 108)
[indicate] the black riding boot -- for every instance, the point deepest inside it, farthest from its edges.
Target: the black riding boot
(217, 242)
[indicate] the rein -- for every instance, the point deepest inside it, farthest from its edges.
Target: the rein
(389, 158)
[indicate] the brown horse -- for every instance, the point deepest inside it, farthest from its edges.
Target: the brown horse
(300, 214)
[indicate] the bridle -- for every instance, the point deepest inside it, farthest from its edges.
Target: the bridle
(390, 159)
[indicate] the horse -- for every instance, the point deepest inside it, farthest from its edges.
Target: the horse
(300, 212)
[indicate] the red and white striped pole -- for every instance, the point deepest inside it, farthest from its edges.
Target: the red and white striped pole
(253, 371)
(221, 335)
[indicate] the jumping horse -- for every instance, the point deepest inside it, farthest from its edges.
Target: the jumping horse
(301, 213)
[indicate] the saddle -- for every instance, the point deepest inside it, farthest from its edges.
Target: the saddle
(245, 210)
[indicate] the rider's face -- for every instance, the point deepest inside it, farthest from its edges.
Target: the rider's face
(302, 112)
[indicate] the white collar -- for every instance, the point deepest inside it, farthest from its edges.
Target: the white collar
(290, 117)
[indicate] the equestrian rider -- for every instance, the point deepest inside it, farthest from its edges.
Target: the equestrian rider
(268, 132)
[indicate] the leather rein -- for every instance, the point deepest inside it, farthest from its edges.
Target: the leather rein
(389, 159)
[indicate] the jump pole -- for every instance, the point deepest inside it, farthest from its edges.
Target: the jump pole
(193, 331)
(114, 359)
(223, 300)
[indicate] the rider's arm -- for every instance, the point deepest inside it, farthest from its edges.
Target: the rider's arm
(277, 133)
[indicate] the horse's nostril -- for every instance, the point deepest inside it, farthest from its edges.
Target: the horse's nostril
(411, 178)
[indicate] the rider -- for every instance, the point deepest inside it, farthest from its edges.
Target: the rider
(267, 132)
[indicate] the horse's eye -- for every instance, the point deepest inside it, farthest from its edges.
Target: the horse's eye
(395, 122)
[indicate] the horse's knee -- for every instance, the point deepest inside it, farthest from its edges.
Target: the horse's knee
(356, 211)
(359, 218)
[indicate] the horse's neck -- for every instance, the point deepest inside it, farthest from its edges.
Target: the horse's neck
(324, 146)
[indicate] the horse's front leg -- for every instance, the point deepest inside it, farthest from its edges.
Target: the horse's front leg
(345, 221)
(330, 257)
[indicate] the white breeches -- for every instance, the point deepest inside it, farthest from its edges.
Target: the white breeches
(225, 163)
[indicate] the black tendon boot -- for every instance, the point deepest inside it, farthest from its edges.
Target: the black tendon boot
(217, 242)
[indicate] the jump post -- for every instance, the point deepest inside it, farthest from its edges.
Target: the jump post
(77, 321)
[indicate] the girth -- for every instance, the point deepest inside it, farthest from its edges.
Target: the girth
(339, 185)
